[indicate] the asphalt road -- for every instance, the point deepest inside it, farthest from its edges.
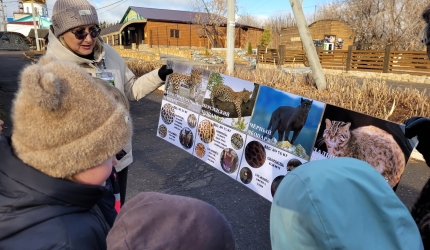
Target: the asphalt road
(161, 167)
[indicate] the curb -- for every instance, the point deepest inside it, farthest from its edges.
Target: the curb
(417, 155)
(33, 61)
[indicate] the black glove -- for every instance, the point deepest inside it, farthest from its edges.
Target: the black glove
(420, 127)
(163, 72)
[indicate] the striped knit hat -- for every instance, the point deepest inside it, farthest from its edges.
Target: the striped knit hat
(68, 14)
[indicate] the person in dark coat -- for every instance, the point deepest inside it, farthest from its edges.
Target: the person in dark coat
(420, 127)
(67, 128)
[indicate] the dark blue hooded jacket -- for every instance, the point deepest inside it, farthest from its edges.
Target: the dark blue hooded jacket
(41, 212)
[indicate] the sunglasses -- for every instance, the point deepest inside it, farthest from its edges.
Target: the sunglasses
(80, 34)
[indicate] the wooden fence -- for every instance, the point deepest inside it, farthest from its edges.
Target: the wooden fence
(381, 61)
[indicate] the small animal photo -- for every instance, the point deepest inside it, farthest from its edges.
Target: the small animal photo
(381, 143)
(286, 121)
(275, 184)
(255, 154)
(229, 100)
(245, 175)
(206, 131)
(236, 141)
(168, 113)
(200, 150)
(192, 121)
(229, 160)
(292, 164)
(162, 130)
(186, 138)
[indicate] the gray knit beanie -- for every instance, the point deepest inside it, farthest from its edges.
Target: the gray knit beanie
(68, 14)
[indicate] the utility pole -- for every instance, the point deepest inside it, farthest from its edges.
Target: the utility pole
(308, 45)
(36, 35)
(4, 17)
(231, 25)
(315, 12)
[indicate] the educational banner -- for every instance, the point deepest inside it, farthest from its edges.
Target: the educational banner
(257, 134)
(230, 100)
(177, 125)
(264, 166)
(380, 143)
(286, 121)
(219, 146)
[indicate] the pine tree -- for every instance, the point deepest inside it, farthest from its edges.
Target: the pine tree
(266, 38)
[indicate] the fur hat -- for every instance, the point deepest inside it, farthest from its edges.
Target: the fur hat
(68, 14)
(162, 221)
(64, 120)
(119, 96)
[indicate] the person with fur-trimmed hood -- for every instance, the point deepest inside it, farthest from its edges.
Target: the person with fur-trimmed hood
(67, 129)
(74, 36)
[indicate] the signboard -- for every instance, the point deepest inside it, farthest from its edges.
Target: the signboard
(257, 134)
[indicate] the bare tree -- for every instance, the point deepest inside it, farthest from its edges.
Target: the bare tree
(276, 24)
(379, 23)
(247, 19)
(210, 15)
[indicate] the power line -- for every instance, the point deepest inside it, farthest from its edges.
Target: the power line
(112, 7)
(274, 11)
(109, 5)
(260, 5)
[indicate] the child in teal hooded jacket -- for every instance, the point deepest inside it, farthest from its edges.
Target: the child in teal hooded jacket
(339, 203)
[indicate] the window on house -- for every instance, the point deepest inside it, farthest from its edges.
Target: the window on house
(174, 33)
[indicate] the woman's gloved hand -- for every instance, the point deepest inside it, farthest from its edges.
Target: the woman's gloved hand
(420, 127)
(163, 72)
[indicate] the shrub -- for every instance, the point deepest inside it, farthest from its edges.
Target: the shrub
(249, 48)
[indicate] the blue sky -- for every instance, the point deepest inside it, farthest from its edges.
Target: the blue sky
(114, 12)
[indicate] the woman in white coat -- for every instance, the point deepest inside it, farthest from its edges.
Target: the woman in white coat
(74, 36)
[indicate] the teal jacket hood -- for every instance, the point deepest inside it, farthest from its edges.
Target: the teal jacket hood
(339, 203)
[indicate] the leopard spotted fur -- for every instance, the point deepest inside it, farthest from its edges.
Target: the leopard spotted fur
(168, 113)
(193, 82)
(206, 131)
(226, 94)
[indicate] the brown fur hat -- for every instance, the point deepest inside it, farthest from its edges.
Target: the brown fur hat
(118, 95)
(64, 120)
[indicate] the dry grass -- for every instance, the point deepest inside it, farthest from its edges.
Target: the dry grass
(373, 97)
(140, 68)
(153, 54)
(138, 55)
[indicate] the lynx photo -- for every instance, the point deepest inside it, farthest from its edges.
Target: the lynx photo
(380, 143)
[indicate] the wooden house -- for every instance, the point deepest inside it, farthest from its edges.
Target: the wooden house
(329, 34)
(165, 28)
